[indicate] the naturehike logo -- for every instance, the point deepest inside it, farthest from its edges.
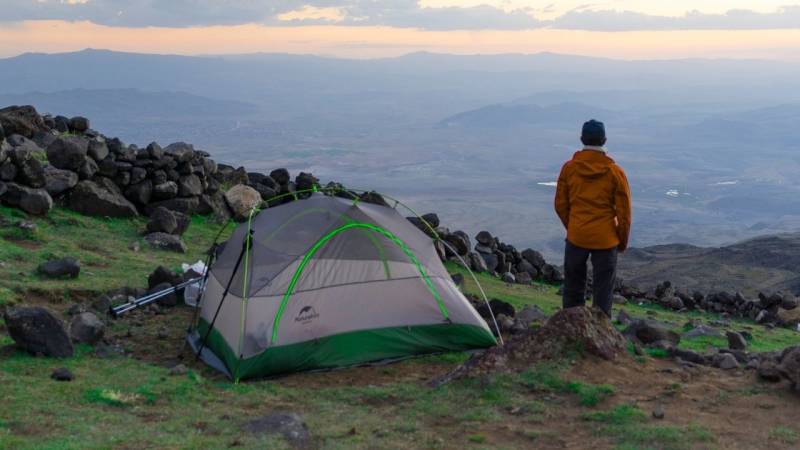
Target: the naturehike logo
(306, 315)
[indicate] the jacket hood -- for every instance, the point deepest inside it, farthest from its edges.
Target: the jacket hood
(591, 164)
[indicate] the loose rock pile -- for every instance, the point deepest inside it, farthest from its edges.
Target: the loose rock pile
(775, 309)
(490, 255)
(43, 158)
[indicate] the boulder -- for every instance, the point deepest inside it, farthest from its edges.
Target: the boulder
(166, 221)
(22, 120)
(524, 278)
(30, 171)
(68, 153)
(8, 171)
(168, 300)
(535, 258)
(97, 149)
(789, 302)
(736, 341)
(86, 328)
(59, 268)
(165, 191)
(214, 204)
(789, 317)
(36, 202)
(476, 262)
(305, 182)
(457, 243)
(61, 124)
(79, 124)
(38, 331)
(190, 186)
(530, 314)
(768, 371)
(164, 241)
(485, 238)
(790, 365)
(58, 181)
(509, 277)
(281, 176)
(702, 331)
(140, 193)
(725, 361)
(180, 151)
(138, 174)
(490, 260)
(91, 199)
(162, 275)
(88, 169)
(651, 333)
(241, 200)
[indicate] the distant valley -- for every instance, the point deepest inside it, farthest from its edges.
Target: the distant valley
(474, 138)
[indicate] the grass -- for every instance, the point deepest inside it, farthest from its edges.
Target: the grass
(784, 435)
(629, 427)
(123, 402)
(101, 246)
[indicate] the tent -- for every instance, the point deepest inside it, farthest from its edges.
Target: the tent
(327, 282)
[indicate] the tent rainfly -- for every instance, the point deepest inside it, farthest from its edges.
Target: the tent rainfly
(329, 282)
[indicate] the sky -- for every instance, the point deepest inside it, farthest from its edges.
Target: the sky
(644, 29)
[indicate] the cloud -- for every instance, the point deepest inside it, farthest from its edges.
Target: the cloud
(395, 13)
(787, 17)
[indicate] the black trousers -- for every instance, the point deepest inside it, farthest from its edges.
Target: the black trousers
(604, 265)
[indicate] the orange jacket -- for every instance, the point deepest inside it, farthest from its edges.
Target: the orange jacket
(593, 201)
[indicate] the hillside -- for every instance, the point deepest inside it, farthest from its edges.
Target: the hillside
(767, 263)
(89, 222)
(126, 394)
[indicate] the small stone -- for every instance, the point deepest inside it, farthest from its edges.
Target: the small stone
(163, 334)
(178, 370)
(658, 413)
(134, 247)
(62, 374)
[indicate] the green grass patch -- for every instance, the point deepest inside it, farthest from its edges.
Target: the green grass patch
(477, 438)
(784, 435)
(618, 415)
(548, 377)
(111, 397)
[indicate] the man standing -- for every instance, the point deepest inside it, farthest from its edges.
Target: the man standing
(593, 201)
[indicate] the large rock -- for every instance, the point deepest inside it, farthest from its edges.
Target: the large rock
(190, 186)
(458, 243)
(241, 200)
(652, 334)
(78, 124)
(165, 191)
(29, 170)
(535, 258)
(789, 317)
(97, 149)
(68, 153)
(23, 120)
(86, 328)
(140, 193)
(91, 199)
(281, 176)
(214, 204)
(166, 221)
(164, 241)
(38, 331)
(36, 202)
(180, 151)
(58, 181)
(60, 268)
(790, 365)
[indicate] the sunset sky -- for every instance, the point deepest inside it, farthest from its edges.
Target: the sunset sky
(366, 28)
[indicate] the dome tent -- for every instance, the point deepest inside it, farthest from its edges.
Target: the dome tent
(328, 282)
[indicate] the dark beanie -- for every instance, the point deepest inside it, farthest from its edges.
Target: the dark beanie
(594, 133)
